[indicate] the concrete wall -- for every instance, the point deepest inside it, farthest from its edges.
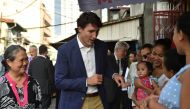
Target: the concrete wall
(147, 36)
(123, 31)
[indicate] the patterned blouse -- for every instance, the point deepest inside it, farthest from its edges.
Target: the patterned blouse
(170, 94)
(12, 97)
(141, 93)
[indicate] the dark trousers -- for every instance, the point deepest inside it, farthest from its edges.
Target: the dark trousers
(121, 101)
(115, 104)
(126, 103)
(46, 101)
(58, 93)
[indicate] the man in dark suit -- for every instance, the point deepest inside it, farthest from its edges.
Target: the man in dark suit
(42, 70)
(81, 66)
(117, 64)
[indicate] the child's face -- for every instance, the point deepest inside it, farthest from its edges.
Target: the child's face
(142, 70)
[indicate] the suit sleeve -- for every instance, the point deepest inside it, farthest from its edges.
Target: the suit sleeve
(111, 66)
(51, 75)
(62, 80)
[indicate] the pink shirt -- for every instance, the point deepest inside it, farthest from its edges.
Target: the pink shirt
(141, 93)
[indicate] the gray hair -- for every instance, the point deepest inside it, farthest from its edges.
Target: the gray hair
(10, 54)
(33, 46)
(121, 45)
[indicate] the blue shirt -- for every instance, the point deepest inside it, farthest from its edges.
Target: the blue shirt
(170, 94)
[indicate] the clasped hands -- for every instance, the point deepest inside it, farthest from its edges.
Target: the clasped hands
(96, 79)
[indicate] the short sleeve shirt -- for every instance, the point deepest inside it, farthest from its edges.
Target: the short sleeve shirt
(170, 94)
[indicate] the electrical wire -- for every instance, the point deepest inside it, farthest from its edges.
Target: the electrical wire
(55, 12)
(50, 25)
(21, 9)
(44, 9)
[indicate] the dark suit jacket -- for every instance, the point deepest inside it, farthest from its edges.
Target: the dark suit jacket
(71, 75)
(42, 70)
(110, 85)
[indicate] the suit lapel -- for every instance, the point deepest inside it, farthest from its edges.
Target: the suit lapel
(78, 57)
(97, 58)
(115, 63)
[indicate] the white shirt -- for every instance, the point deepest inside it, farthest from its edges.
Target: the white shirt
(42, 56)
(132, 74)
(162, 80)
(88, 56)
(133, 70)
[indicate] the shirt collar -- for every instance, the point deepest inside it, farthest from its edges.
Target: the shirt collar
(115, 57)
(42, 56)
(81, 45)
(79, 42)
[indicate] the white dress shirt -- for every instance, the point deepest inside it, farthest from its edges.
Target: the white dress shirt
(88, 56)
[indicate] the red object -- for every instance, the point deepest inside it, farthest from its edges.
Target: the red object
(164, 21)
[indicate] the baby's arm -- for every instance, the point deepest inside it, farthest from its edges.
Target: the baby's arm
(134, 98)
(138, 84)
(156, 88)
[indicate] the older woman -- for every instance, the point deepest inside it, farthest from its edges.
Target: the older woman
(17, 89)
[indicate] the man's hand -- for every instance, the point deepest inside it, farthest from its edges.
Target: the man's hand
(95, 79)
(118, 79)
(125, 85)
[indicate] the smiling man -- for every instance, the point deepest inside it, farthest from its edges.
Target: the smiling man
(81, 66)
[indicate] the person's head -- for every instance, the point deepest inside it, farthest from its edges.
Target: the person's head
(172, 62)
(33, 51)
(144, 69)
(146, 51)
(181, 35)
(160, 47)
(132, 56)
(88, 25)
(43, 50)
(120, 49)
(15, 59)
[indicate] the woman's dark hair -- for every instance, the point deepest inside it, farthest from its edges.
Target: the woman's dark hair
(147, 45)
(165, 43)
(148, 65)
(10, 54)
(88, 18)
(183, 24)
(133, 52)
(173, 61)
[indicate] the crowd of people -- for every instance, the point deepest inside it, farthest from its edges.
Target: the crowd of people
(88, 77)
